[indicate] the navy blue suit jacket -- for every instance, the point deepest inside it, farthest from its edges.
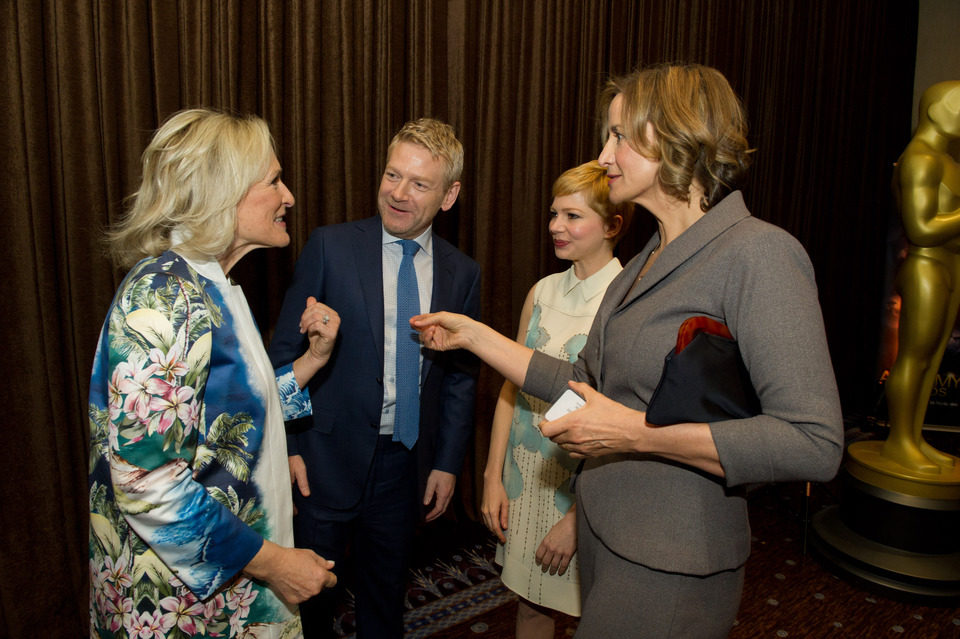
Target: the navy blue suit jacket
(341, 267)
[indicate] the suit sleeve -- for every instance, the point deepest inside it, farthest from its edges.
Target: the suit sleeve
(287, 343)
(774, 313)
(459, 393)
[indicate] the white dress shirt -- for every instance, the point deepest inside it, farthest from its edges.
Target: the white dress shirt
(423, 263)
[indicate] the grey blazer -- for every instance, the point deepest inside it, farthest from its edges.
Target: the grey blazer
(758, 280)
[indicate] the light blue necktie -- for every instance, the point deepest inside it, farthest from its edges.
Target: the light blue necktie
(406, 424)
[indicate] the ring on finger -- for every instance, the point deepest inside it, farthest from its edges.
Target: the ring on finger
(325, 319)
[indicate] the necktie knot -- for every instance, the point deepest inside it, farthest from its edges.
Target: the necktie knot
(410, 247)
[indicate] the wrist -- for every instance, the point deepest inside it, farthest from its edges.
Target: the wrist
(307, 365)
(492, 474)
(640, 432)
(316, 361)
(470, 332)
(259, 566)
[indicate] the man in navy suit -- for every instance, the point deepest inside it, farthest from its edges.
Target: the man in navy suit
(358, 483)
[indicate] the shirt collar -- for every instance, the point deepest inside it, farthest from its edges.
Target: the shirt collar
(425, 239)
(209, 268)
(593, 285)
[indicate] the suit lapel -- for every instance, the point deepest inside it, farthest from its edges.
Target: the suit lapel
(442, 297)
(368, 257)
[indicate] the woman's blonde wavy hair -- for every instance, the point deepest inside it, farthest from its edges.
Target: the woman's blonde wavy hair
(196, 169)
(591, 180)
(698, 122)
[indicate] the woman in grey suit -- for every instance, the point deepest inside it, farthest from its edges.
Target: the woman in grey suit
(662, 521)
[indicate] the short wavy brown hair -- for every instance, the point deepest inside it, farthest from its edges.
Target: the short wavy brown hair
(591, 180)
(699, 125)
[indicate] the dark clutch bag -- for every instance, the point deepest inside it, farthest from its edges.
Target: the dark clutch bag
(704, 378)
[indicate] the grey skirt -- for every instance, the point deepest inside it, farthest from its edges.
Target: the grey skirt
(627, 600)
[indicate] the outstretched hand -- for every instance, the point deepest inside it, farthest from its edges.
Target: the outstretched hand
(442, 331)
(600, 427)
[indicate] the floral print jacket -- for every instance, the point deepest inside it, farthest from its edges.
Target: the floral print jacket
(186, 474)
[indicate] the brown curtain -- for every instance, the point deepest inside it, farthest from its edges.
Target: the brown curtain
(827, 85)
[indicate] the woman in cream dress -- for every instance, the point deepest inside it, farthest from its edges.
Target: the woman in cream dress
(527, 502)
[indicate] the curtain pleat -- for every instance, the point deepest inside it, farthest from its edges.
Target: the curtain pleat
(827, 85)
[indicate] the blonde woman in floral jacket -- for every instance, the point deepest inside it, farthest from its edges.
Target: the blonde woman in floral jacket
(190, 504)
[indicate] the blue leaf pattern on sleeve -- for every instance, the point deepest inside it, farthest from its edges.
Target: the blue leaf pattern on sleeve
(296, 402)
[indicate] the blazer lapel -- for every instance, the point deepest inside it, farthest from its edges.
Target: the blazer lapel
(368, 258)
(728, 212)
(616, 296)
(622, 292)
(442, 297)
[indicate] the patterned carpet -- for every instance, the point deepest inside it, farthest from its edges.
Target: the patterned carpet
(455, 592)
(791, 594)
(455, 589)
